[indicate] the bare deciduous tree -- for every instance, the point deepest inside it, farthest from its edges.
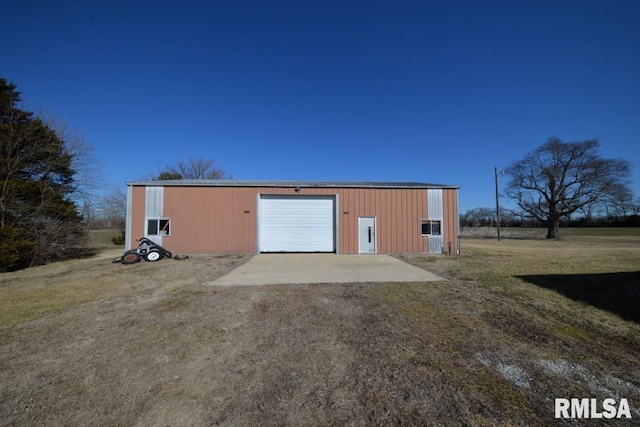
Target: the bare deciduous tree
(479, 217)
(113, 208)
(560, 178)
(623, 204)
(193, 169)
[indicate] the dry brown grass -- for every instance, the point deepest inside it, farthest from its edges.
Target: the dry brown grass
(160, 347)
(564, 335)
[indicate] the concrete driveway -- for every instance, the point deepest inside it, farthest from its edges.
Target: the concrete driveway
(268, 269)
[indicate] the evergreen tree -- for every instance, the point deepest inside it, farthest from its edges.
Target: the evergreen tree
(39, 222)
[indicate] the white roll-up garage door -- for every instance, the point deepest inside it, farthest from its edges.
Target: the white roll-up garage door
(297, 224)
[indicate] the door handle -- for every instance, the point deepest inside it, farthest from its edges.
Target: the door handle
(369, 234)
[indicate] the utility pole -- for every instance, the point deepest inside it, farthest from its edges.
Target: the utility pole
(497, 203)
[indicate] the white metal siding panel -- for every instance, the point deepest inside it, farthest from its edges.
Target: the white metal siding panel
(435, 212)
(297, 224)
(127, 233)
(434, 204)
(154, 202)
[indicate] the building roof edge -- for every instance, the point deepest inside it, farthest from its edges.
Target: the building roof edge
(283, 183)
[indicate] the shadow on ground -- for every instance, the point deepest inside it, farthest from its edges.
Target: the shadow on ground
(618, 293)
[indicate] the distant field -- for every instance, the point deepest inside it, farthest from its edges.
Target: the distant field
(533, 233)
(603, 231)
(102, 238)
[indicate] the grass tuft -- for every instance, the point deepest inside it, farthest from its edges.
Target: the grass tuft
(19, 304)
(563, 331)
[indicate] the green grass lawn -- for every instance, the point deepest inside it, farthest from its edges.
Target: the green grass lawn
(30, 293)
(590, 270)
(102, 238)
(602, 231)
(540, 233)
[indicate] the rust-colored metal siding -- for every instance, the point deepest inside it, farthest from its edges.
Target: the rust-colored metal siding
(206, 219)
(397, 212)
(210, 219)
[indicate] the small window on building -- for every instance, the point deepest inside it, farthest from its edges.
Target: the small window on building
(430, 228)
(158, 227)
(435, 228)
(426, 227)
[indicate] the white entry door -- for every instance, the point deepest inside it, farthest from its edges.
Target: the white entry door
(367, 235)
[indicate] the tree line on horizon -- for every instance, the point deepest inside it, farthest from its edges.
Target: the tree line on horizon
(606, 216)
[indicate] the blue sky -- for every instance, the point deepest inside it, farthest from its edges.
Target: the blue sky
(430, 91)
